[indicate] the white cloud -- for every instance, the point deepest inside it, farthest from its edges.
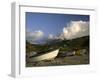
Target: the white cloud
(33, 36)
(50, 36)
(75, 29)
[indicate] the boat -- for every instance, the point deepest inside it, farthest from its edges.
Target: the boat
(46, 56)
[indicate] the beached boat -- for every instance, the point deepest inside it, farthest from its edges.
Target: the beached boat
(46, 56)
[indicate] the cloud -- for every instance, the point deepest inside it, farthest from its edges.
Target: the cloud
(75, 29)
(50, 36)
(33, 36)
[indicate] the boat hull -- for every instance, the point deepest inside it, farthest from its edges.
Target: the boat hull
(46, 56)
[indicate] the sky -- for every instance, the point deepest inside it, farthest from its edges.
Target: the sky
(55, 26)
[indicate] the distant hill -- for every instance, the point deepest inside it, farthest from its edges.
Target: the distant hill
(63, 45)
(78, 43)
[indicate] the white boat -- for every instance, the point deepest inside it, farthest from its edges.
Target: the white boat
(45, 56)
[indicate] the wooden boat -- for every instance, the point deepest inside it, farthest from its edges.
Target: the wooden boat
(46, 56)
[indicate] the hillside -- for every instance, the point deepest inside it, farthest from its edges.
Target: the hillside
(63, 45)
